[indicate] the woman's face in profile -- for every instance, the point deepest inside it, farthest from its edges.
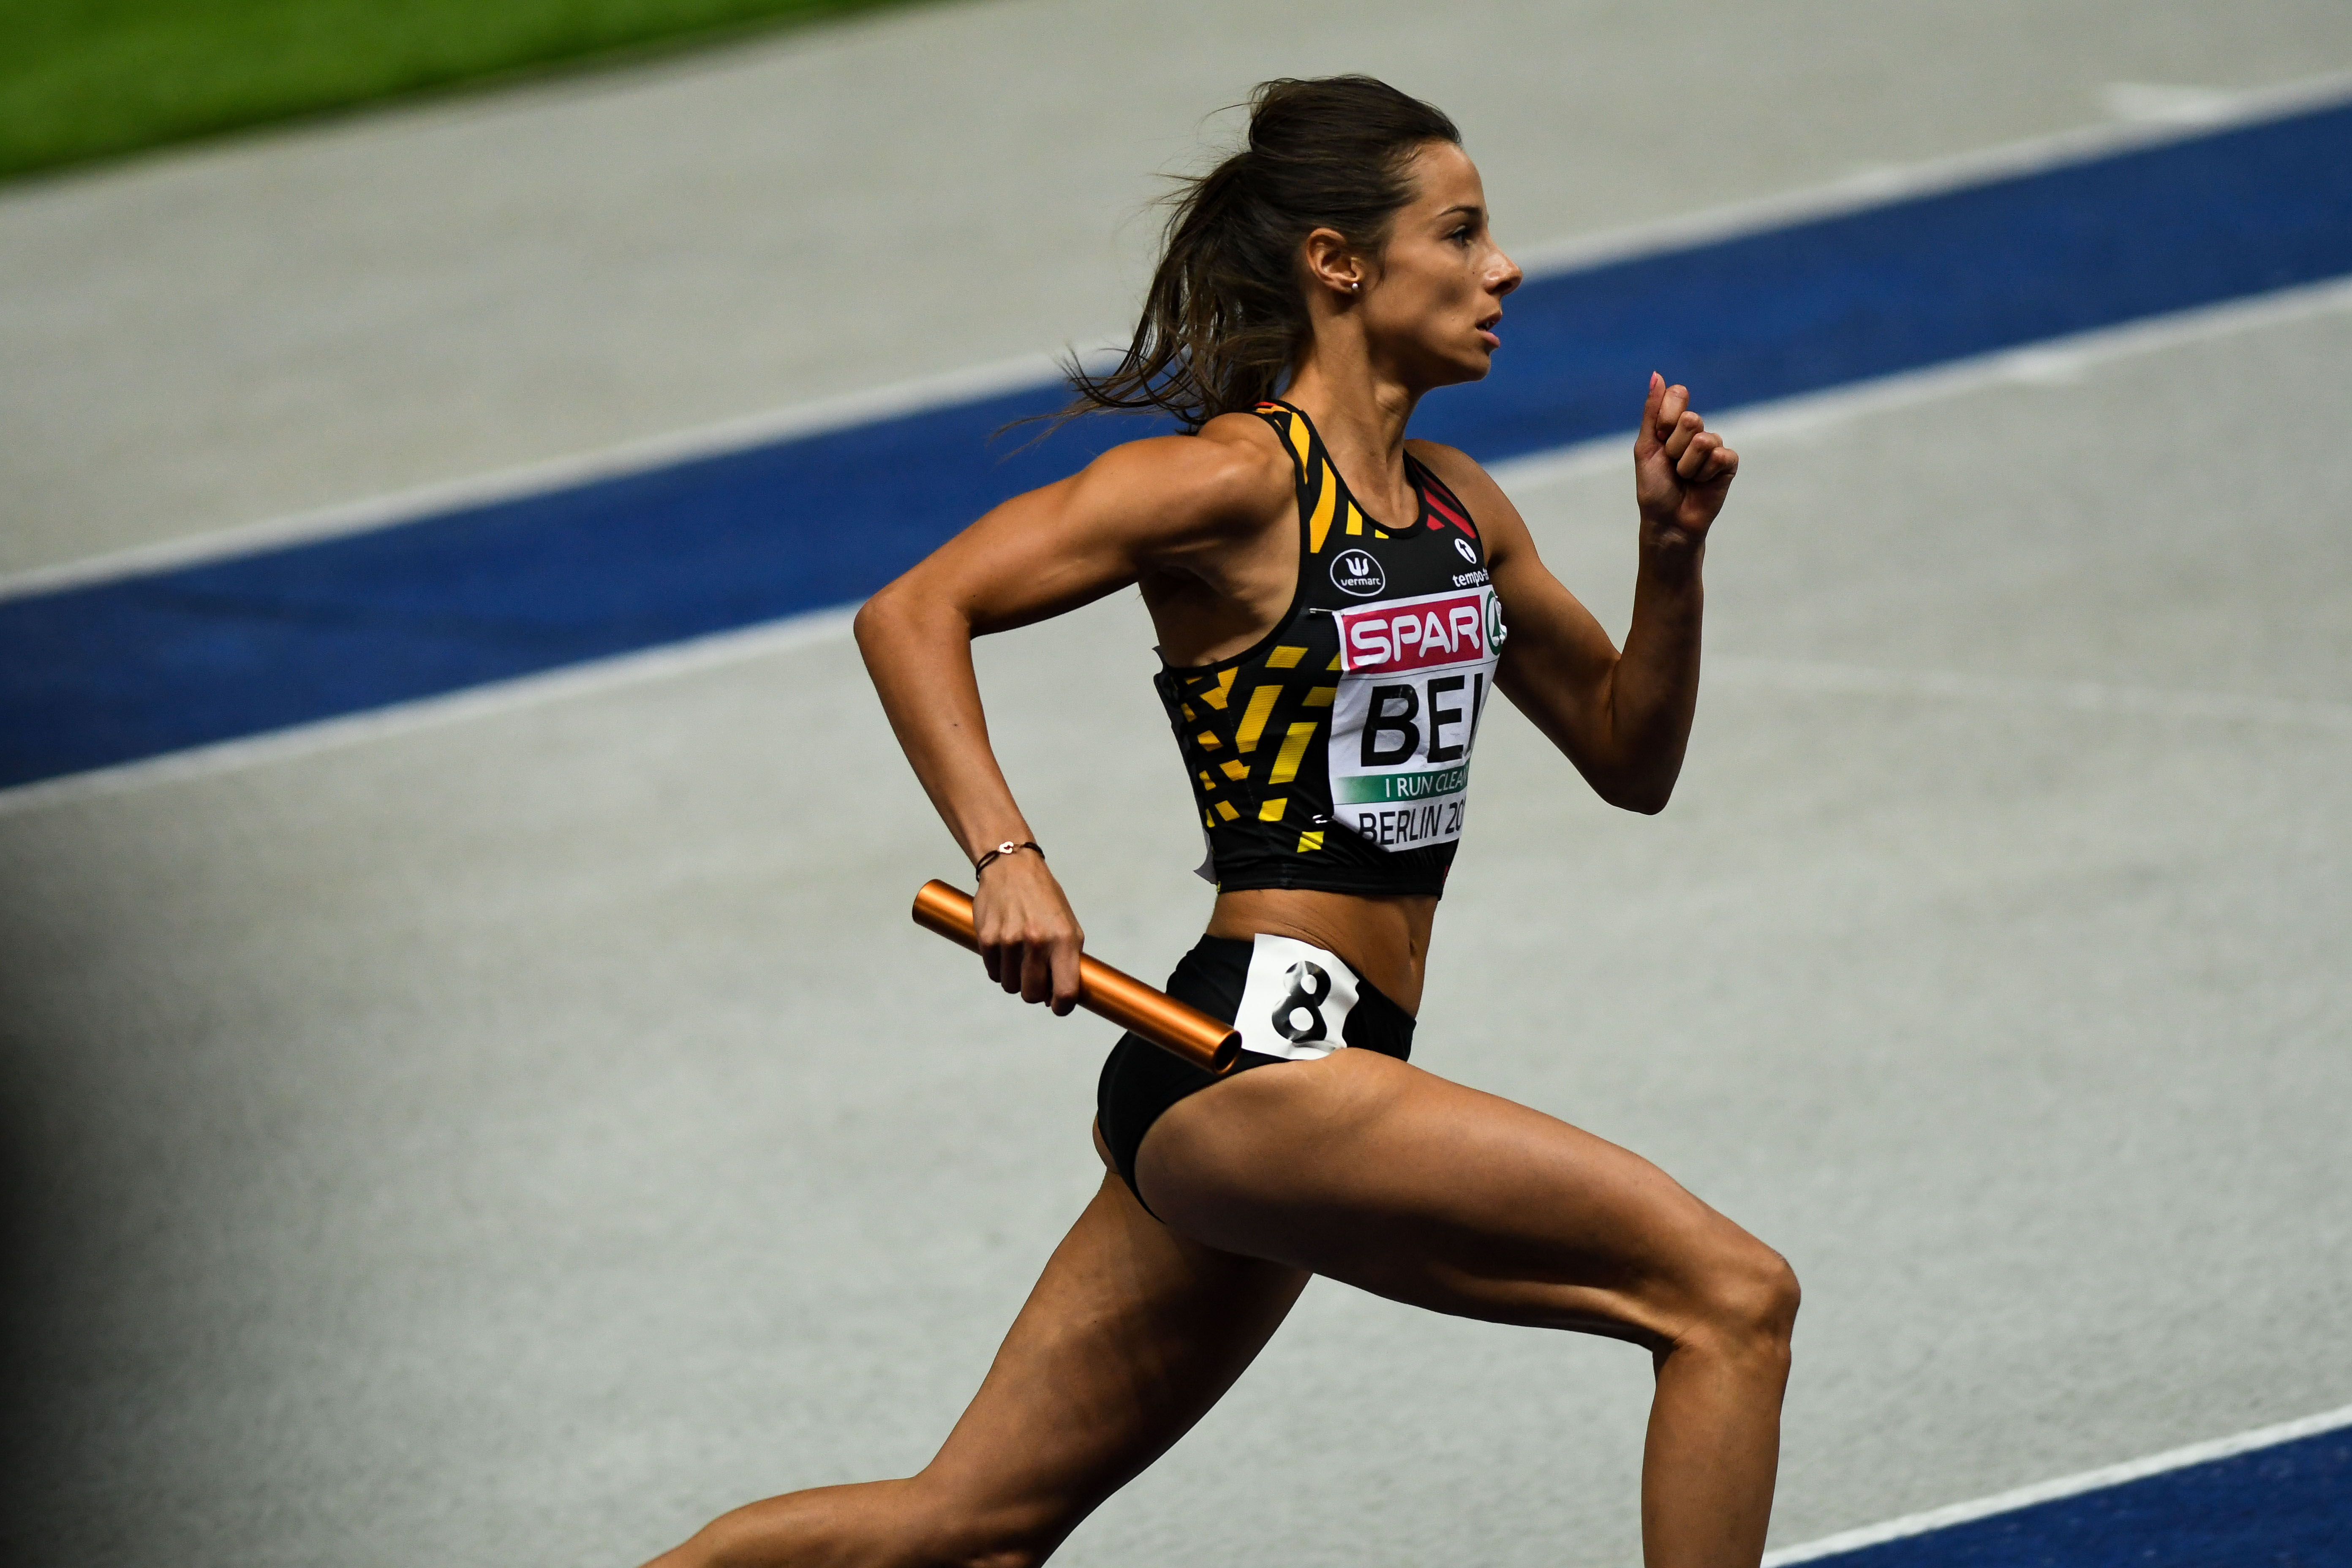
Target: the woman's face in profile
(1432, 302)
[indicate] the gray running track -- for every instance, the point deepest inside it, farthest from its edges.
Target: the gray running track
(513, 1140)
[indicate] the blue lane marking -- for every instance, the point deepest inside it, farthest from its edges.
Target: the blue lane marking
(2283, 1507)
(147, 665)
(119, 670)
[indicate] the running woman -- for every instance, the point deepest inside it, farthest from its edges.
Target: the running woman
(1336, 605)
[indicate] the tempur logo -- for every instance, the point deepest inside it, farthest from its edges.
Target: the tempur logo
(1357, 572)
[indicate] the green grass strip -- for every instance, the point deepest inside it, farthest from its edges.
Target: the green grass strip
(92, 78)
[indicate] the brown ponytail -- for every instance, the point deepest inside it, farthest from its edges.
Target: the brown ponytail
(1226, 313)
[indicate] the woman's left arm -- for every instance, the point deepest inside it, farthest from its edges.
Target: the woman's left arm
(1622, 718)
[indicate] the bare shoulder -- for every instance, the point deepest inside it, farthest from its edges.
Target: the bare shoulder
(1230, 477)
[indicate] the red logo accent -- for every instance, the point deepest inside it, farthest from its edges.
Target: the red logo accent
(1414, 633)
(1446, 507)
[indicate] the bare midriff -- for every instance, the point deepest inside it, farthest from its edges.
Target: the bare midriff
(1384, 939)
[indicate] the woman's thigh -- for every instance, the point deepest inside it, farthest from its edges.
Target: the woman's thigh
(1394, 1180)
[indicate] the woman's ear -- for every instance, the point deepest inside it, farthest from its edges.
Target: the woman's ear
(1332, 263)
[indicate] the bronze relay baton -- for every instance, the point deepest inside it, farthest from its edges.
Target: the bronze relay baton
(1172, 1025)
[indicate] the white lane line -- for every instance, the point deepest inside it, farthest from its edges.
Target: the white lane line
(1875, 187)
(716, 651)
(1798, 417)
(2069, 1486)
(2083, 696)
(2055, 361)
(2163, 104)
(829, 626)
(536, 478)
(1869, 189)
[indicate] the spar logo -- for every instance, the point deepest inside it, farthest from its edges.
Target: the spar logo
(1357, 572)
(1419, 634)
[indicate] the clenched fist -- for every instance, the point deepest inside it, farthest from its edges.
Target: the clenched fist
(1682, 471)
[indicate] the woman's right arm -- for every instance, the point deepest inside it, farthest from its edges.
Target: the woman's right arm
(1167, 504)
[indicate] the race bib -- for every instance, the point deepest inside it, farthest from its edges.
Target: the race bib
(1415, 677)
(1297, 1000)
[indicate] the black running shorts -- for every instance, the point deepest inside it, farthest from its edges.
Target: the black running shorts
(1291, 1000)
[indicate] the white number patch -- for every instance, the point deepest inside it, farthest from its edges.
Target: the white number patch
(1297, 1000)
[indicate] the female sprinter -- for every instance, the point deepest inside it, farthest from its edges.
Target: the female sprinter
(1332, 602)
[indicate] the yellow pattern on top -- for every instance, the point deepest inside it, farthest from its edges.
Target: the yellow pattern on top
(1295, 432)
(1215, 697)
(1321, 697)
(1235, 769)
(1294, 746)
(1284, 658)
(1253, 725)
(1319, 527)
(1324, 482)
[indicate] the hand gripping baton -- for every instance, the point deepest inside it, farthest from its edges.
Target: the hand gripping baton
(1126, 1001)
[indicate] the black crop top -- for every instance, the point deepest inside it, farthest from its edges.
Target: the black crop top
(1335, 754)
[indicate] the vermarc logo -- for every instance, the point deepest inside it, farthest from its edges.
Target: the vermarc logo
(1357, 572)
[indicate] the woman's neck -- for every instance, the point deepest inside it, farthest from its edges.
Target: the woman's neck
(1361, 417)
